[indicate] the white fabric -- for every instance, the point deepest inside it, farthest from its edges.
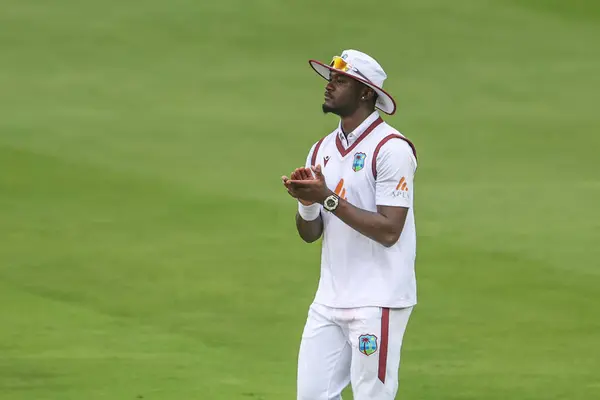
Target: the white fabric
(394, 164)
(356, 271)
(330, 357)
(356, 133)
(309, 213)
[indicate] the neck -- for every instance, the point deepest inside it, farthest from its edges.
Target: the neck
(351, 122)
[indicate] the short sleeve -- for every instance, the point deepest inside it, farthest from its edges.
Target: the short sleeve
(309, 156)
(313, 153)
(395, 171)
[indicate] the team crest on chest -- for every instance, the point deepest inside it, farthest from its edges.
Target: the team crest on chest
(367, 344)
(359, 161)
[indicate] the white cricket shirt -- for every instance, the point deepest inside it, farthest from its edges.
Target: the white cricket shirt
(374, 166)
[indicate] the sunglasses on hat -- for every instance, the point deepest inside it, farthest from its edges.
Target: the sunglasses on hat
(338, 63)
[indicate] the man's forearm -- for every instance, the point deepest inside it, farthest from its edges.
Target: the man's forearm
(379, 227)
(309, 231)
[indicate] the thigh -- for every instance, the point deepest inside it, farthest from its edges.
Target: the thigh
(376, 336)
(324, 357)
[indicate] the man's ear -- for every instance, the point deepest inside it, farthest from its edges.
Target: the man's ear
(367, 94)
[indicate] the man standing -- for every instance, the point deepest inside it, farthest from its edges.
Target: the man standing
(356, 190)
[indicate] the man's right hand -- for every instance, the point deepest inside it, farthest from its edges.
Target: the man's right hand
(309, 230)
(298, 174)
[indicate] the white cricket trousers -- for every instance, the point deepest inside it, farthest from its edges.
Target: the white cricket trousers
(360, 346)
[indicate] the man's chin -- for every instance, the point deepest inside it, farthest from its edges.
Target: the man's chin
(329, 109)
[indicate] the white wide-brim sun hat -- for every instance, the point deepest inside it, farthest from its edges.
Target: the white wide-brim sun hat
(364, 69)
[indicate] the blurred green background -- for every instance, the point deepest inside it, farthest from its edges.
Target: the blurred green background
(147, 248)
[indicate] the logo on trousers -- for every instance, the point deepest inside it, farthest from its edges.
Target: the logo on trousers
(367, 344)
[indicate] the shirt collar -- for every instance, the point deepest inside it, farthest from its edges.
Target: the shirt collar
(355, 134)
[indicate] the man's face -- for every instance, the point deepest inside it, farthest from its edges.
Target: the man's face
(342, 95)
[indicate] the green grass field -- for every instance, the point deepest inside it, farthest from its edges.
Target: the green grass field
(147, 248)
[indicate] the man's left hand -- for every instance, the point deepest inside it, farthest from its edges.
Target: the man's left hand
(315, 190)
(298, 174)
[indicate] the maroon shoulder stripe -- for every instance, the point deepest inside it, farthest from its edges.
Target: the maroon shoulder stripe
(384, 141)
(383, 349)
(314, 154)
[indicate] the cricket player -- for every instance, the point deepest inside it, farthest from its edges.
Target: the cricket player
(356, 191)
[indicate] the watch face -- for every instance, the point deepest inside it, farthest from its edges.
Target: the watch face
(330, 203)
